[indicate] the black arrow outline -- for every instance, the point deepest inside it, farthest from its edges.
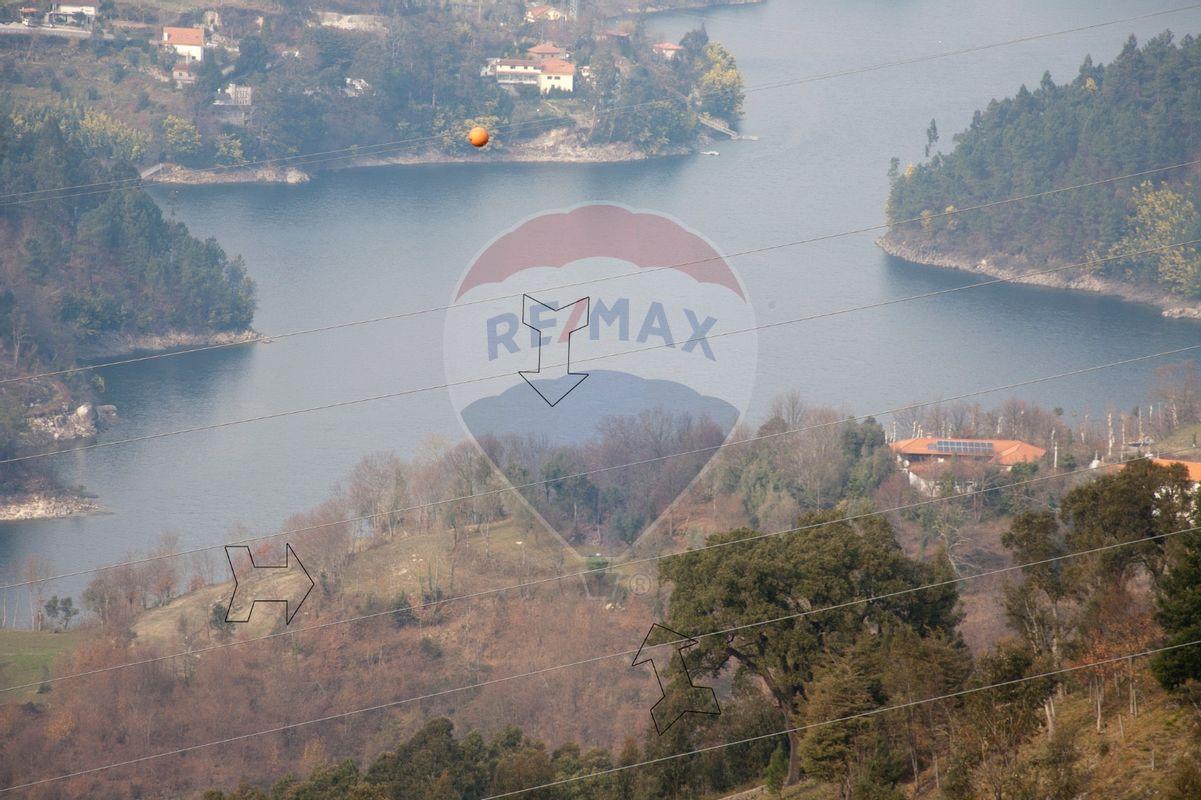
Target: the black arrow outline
(526, 372)
(289, 554)
(681, 643)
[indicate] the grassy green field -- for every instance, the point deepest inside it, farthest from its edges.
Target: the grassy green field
(26, 656)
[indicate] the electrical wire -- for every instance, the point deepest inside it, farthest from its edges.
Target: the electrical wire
(850, 717)
(600, 470)
(709, 337)
(397, 703)
(625, 564)
(261, 338)
(359, 150)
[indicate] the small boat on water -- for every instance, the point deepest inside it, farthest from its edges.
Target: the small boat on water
(710, 153)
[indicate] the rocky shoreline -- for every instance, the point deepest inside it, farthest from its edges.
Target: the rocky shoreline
(45, 505)
(1015, 271)
(57, 422)
(559, 146)
(120, 345)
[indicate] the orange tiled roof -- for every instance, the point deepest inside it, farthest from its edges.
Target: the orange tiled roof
(1193, 467)
(557, 66)
(1006, 452)
(193, 36)
(546, 48)
(666, 46)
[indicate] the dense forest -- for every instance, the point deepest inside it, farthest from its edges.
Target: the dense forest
(83, 264)
(1140, 112)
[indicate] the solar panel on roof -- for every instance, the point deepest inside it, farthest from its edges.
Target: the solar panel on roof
(957, 447)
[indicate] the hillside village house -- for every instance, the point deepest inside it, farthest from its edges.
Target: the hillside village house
(514, 71)
(557, 75)
(546, 50)
(666, 50)
(929, 462)
(64, 14)
(186, 42)
(233, 103)
(547, 74)
(544, 13)
(183, 74)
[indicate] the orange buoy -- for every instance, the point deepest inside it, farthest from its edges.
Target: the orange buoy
(478, 136)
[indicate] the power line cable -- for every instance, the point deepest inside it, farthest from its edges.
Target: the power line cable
(396, 703)
(850, 717)
(709, 337)
(650, 559)
(628, 274)
(600, 470)
(358, 150)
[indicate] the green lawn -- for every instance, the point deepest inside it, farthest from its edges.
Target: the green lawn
(25, 656)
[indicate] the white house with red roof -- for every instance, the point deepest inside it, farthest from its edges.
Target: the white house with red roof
(666, 50)
(545, 50)
(556, 75)
(188, 43)
(931, 463)
(544, 13)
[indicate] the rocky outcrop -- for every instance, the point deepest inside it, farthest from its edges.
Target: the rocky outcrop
(84, 422)
(44, 505)
(174, 173)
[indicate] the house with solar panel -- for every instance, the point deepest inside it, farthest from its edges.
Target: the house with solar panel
(960, 464)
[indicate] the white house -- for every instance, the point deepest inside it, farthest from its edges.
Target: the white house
(186, 42)
(666, 50)
(516, 71)
(544, 13)
(556, 74)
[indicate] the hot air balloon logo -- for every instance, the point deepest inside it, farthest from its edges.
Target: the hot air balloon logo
(616, 359)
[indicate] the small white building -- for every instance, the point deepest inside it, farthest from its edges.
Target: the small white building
(183, 74)
(72, 10)
(235, 95)
(186, 42)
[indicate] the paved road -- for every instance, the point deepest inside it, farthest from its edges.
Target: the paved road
(17, 29)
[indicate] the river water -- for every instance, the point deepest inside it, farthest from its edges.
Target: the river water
(356, 244)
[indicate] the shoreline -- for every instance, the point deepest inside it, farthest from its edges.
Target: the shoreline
(122, 345)
(559, 146)
(65, 424)
(48, 504)
(1011, 271)
(551, 148)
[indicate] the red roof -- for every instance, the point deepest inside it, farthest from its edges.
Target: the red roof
(518, 62)
(557, 66)
(191, 36)
(546, 49)
(1006, 452)
(666, 46)
(1193, 467)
